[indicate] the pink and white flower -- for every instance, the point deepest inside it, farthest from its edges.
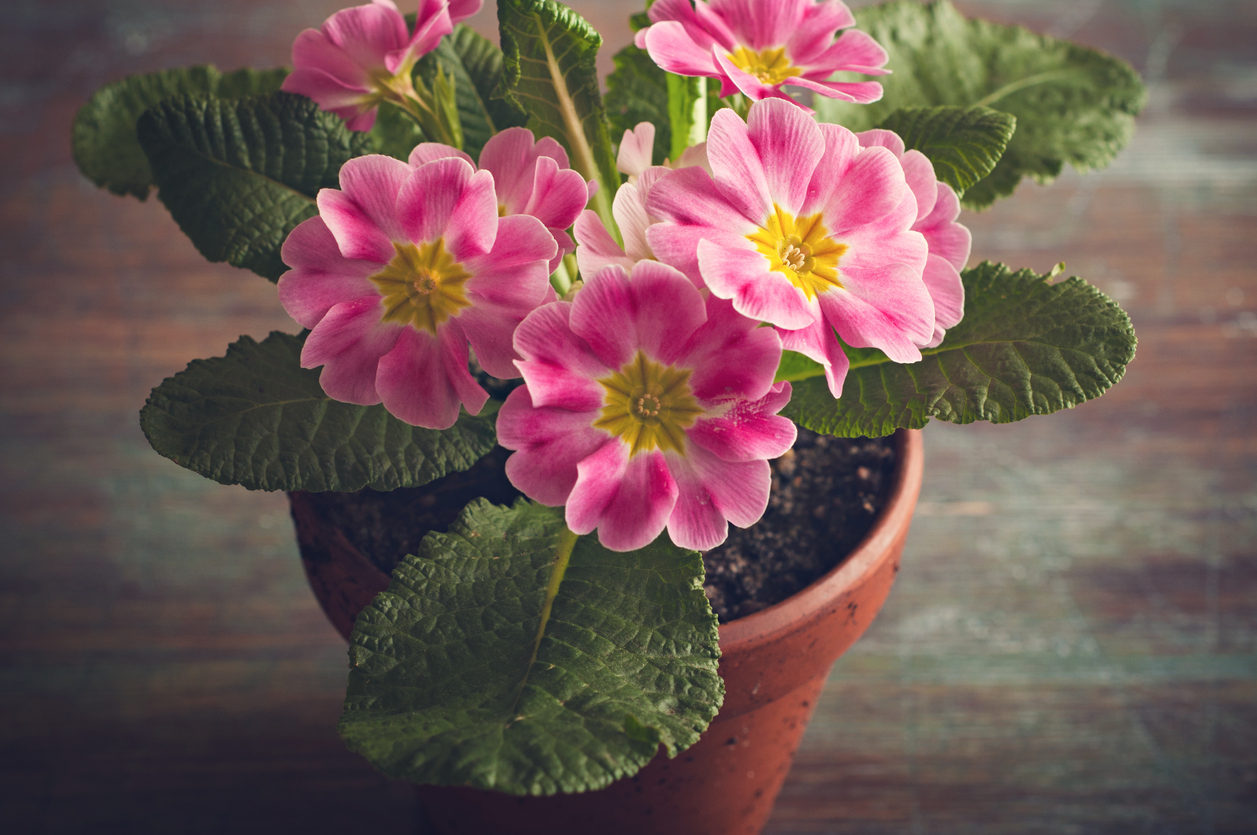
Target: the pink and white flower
(801, 228)
(949, 242)
(756, 47)
(403, 267)
(531, 176)
(365, 54)
(597, 248)
(644, 407)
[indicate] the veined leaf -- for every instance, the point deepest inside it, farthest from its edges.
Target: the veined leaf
(1072, 104)
(964, 143)
(477, 67)
(510, 654)
(394, 133)
(1025, 347)
(239, 174)
(548, 71)
(257, 418)
(637, 91)
(103, 141)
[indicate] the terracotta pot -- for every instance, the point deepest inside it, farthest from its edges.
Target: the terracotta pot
(774, 664)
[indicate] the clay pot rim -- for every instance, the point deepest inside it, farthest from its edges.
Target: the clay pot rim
(785, 616)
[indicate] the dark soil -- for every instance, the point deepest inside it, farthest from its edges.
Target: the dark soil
(826, 493)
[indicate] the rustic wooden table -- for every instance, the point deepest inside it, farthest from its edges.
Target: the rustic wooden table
(1071, 646)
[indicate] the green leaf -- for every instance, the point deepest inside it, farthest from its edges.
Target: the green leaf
(256, 418)
(1072, 104)
(548, 70)
(103, 139)
(394, 133)
(510, 654)
(1025, 347)
(795, 366)
(687, 112)
(477, 67)
(963, 143)
(637, 91)
(239, 174)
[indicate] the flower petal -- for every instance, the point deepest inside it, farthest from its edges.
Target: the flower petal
(426, 152)
(887, 308)
(367, 33)
(448, 199)
(373, 182)
(859, 92)
(737, 168)
(789, 145)
(627, 499)
(516, 271)
(747, 429)
(947, 292)
(711, 493)
(556, 361)
(414, 383)
(758, 292)
(320, 277)
(672, 47)
(313, 51)
(637, 150)
(731, 355)
(549, 445)
(819, 343)
(597, 249)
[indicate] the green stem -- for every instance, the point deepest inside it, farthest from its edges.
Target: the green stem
(1021, 84)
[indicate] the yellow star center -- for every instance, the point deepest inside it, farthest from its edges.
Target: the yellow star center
(422, 286)
(770, 66)
(648, 406)
(801, 250)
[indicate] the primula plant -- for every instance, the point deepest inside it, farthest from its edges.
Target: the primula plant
(639, 295)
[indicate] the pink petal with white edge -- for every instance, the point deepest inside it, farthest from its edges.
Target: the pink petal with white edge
(515, 272)
(818, 343)
(731, 355)
(559, 367)
(789, 145)
(737, 168)
(373, 182)
(858, 92)
(426, 152)
(872, 187)
(945, 237)
(629, 211)
(356, 235)
(597, 249)
(747, 429)
(841, 149)
(558, 196)
(350, 375)
(413, 384)
(320, 277)
(367, 33)
(816, 33)
(427, 203)
(854, 51)
(673, 49)
(712, 493)
(344, 324)
(761, 24)
(947, 292)
(888, 308)
(549, 445)
(690, 196)
(882, 138)
(919, 173)
(511, 156)
(460, 10)
(627, 499)
(429, 29)
(656, 312)
(747, 84)
(637, 150)
(312, 50)
(758, 292)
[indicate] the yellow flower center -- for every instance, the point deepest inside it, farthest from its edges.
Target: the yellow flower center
(422, 286)
(648, 406)
(801, 250)
(770, 66)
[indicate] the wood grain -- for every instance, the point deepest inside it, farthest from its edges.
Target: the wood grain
(1071, 645)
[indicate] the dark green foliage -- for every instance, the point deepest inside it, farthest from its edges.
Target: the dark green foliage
(256, 418)
(511, 655)
(963, 143)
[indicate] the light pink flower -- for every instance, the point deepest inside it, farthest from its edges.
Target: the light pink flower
(401, 270)
(949, 242)
(803, 229)
(532, 177)
(646, 407)
(755, 47)
(365, 54)
(597, 248)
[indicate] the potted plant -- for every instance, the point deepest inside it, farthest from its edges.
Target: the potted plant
(541, 375)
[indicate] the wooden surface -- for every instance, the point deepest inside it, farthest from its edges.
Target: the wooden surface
(1072, 643)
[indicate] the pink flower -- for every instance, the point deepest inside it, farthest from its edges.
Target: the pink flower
(645, 406)
(803, 229)
(532, 177)
(365, 54)
(401, 270)
(597, 248)
(757, 46)
(949, 242)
